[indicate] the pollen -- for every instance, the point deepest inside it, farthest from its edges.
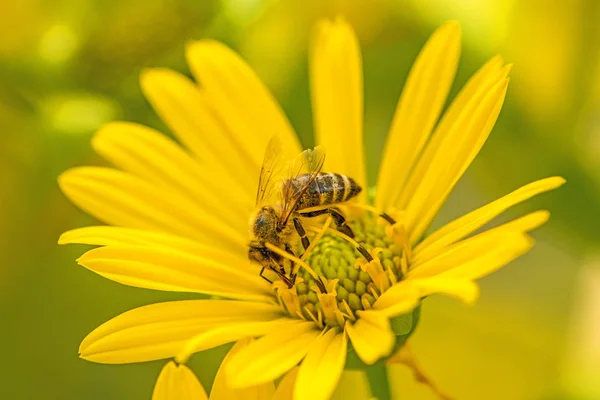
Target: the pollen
(358, 282)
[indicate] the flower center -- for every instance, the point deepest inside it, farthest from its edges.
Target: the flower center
(352, 283)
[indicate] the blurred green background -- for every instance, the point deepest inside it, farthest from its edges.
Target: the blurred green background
(68, 66)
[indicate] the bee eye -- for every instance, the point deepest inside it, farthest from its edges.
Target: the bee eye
(262, 221)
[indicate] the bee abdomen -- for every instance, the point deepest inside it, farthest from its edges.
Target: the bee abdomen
(328, 188)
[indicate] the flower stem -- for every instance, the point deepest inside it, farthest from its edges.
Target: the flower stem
(378, 381)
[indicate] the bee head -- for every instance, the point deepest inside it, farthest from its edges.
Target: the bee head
(258, 253)
(265, 224)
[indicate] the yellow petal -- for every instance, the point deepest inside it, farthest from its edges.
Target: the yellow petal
(285, 389)
(222, 391)
(353, 385)
(488, 72)
(337, 98)
(322, 367)
(397, 300)
(178, 382)
(230, 333)
(371, 336)
(160, 330)
(419, 108)
(186, 110)
(272, 355)
(119, 198)
(484, 239)
(153, 157)
(117, 236)
(522, 224)
(462, 139)
(239, 100)
(475, 257)
(464, 290)
(469, 223)
(164, 269)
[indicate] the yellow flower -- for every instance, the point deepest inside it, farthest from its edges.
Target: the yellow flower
(176, 381)
(180, 215)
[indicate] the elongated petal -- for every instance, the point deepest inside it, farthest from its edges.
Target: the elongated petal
(117, 236)
(461, 142)
(337, 98)
(240, 102)
(119, 198)
(371, 336)
(152, 156)
(522, 224)
(230, 333)
(163, 269)
(285, 389)
(399, 299)
(186, 110)
(272, 355)
(161, 330)
(475, 257)
(488, 72)
(419, 108)
(178, 382)
(469, 223)
(222, 391)
(464, 290)
(322, 367)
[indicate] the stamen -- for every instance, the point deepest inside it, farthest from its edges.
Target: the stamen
(347, 238)
(290, 257)
(349, 314)
(378, 275)
(315, 319)
(288, 296)
(300, 315)
(328, 302)
(365, 303)
(316, 238)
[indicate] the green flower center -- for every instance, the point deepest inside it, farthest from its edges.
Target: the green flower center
(333, 257)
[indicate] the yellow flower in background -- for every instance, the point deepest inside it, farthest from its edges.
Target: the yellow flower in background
(180, 216)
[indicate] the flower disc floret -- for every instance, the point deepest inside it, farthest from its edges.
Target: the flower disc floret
(333, 258)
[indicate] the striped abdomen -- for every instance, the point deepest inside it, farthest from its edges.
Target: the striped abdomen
(325, 189)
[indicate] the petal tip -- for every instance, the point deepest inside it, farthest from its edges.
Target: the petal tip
(63, 238)
(506, 69)
(559, 181)
(66, 178)
(149, 76)
(451, 27)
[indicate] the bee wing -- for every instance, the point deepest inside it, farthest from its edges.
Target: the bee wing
(309, 162)
(271, 168)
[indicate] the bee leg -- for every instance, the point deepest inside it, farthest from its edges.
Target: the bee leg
(387, 217)
(342, 226)
(292, 273)
(264, 277)
(281, 274)
(340, 222)
(292, 280)
(338, 219)
(301, 233)
(321, 286)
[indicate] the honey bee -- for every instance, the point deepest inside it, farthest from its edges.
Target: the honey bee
(284, 191)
